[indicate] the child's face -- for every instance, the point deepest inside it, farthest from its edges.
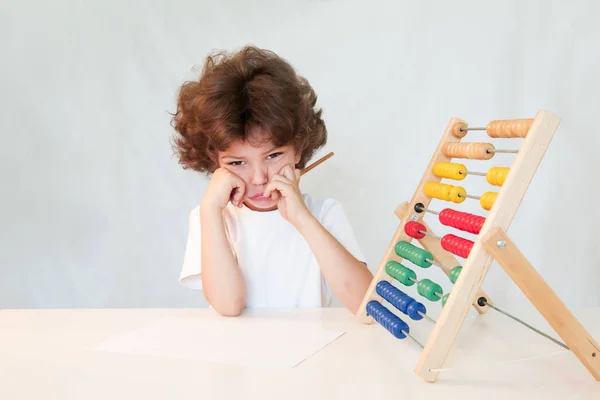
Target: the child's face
(256, 163)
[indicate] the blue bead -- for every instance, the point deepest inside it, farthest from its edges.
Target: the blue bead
(404, 303)
(394, 296)
(387, 319)
(414, 309)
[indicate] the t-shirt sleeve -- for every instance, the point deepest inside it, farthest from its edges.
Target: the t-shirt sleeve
(190, 275)
(337, 223)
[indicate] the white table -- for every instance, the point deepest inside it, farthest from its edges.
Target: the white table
(44, 354)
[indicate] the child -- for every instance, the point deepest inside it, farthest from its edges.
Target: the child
(250, 122)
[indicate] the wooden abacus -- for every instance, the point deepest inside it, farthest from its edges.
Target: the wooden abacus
(492, 243)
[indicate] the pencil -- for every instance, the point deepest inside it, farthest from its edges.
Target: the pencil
(316, 163)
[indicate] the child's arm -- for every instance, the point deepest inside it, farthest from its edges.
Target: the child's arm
(223, 282)
(348, 277)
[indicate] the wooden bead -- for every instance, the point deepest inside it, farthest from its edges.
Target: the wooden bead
(470, 150)
(509, 128)
(456, 130)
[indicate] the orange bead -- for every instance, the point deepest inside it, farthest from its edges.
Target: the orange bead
(509, 128)
(471, 150)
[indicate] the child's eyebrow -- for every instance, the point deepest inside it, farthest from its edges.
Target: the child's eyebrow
(227, 155)
(230, 156)
(272, 149)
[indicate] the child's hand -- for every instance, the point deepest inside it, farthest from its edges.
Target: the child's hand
(224, 186)
(285, 187)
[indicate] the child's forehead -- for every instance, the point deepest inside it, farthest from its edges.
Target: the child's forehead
(250, 145)
(258, 141)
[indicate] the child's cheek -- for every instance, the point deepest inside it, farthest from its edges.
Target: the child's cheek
(277, 166)
(242, 173)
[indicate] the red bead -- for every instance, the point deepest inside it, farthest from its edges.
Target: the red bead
(461, 220)
(457, 245)
(412, 229)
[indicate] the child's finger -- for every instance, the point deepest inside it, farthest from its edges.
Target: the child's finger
(288, 172)
(270, 189)
(237, 198)
(239, 193)
(281, 178)
(275, 195)
(278, 185)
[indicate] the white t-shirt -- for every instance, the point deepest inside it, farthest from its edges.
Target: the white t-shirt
(277, 263)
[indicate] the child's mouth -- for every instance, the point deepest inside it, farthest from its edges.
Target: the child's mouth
(260, 197)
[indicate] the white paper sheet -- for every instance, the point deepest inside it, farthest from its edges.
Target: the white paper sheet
(250, 342)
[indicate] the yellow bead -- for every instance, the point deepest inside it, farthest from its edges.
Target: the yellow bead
(497, 175)
(454, 194)
(450, 170)
(437, 190)
(487, 200)
(443, 191)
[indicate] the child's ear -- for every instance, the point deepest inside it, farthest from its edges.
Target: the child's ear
(297, 158)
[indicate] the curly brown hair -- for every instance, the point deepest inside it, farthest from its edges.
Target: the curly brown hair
(237, 92)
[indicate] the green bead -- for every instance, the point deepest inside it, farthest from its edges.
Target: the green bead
(428, 289)
(455, 273)
(401, 273)
(414, 254)
(445, 299)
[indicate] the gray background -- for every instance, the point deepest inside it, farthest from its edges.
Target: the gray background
(95, 206)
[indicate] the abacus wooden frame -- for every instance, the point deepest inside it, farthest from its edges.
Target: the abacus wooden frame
(467, 288)
(541, 295)
(405, 216)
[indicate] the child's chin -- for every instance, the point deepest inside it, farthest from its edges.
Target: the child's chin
(262, 205)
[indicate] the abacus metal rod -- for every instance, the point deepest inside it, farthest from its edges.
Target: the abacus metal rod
(426, 317)
(472, 173)
(419, 207)
(501, 151)
(434, 263)
(482, 301)
(429, 234)
(431, 211)
(487, 151)
(470, 196)
(473, 129)
(416, 341)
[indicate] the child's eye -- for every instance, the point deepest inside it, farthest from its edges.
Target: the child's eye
(236, 163)
(274, 155)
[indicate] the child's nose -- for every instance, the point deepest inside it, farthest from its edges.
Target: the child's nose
(260, 176)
